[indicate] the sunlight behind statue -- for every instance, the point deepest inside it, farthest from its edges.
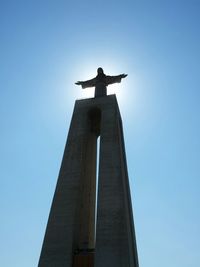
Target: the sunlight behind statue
(100, 82)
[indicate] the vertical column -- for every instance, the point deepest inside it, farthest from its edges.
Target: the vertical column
(88, 195)
(115, 235)
(69, 238)
(71, 223)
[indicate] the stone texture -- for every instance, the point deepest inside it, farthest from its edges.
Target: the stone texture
(71, 228)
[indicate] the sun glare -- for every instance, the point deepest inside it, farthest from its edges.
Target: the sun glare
(85, 68)
(91, 72)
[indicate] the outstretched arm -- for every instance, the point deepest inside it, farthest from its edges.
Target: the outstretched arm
(85, 84)
(115, 79)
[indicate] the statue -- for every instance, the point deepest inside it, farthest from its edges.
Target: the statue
(100, 82)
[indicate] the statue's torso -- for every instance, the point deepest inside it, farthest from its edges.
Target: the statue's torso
(100, 87)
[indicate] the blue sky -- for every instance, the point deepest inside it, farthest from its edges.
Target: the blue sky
(48, 45)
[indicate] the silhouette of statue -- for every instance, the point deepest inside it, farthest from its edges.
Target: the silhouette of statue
(100, 82)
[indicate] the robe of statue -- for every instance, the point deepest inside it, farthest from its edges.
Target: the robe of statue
(100, 82)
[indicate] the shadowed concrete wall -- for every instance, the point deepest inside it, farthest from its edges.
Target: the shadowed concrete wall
(115, 235)
(71, 225)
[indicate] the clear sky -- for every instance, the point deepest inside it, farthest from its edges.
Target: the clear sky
(45, 46)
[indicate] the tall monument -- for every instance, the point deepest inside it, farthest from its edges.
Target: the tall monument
(90, 224)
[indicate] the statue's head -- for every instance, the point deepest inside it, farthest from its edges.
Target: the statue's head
(100, 71)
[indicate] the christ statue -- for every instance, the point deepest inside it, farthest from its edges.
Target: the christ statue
(100, 82)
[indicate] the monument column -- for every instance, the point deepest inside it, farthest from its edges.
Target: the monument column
(71, 224)
(115, 235)
(89, 227)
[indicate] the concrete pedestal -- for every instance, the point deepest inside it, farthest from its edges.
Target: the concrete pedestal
(74, 232)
